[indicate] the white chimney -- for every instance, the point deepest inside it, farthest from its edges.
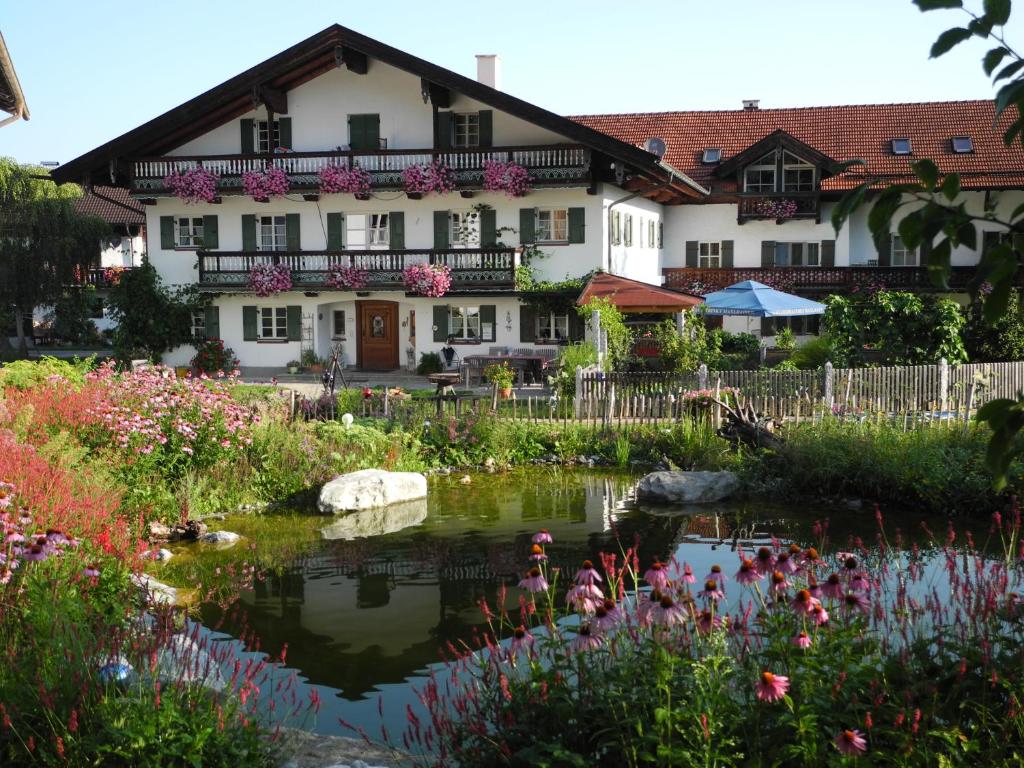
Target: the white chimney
(488, 69)
(751, 104)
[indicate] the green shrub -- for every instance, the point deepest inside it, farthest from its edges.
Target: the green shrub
(430, 362)
(785, 340)
(27, 374)
(571, 357)
(814, 354)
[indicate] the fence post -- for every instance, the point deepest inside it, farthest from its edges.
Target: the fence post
(680, 323)
(828, 385)
(595, 329)
(578, 399)
(943, 384)
(702, 376)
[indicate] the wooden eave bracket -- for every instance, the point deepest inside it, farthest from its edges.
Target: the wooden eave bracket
(355, 61)
(274, 99)
(438, 95)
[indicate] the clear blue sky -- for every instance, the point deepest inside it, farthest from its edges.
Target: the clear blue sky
(93, 69)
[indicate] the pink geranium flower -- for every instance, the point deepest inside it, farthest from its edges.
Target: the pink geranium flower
(771, 687)
(851, 742)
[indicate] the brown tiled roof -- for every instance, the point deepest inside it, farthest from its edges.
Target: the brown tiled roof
(862, 131)
(635, 296)
(112, 204)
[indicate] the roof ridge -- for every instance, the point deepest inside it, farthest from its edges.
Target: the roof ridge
(782, 109)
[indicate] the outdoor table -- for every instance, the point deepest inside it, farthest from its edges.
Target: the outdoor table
(519, 362)
(445, 382)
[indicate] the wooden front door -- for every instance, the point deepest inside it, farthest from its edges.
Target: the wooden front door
(378, 335)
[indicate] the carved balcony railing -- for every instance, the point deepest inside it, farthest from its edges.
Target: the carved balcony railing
(779, 207)
(817, 279)
(550, 165)
(98, 277)
(483, 268)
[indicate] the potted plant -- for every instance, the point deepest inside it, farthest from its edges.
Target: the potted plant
(501, 376)
(195, 185)
(293, 366)
(432, 280)
(311, 362)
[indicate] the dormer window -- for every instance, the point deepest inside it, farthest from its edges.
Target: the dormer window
(901, 147)
(797, 174)
(712, 155)
(962, 145)
(779, 171)
(760, 177)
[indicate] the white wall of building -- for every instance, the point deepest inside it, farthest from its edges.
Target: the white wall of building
(643, 259)
(122, 250)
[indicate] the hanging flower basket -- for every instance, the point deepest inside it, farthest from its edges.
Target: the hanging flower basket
(347, 278)
(431, 280)
(262, 185)
(422, 179)
(777, 209)
(339, 179)
(112, 275)
(510, 178)
(196, 185)
(270, 279)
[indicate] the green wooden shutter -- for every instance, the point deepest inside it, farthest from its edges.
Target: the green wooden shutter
(211, 233)
(828, 253)
(250, 320)
(527, 323)
(167, 233)
(577, 327)
(691, 254)
(284, 132)
(211, 321)
(248, 232)
(527, 226)
(441, 322)
(885, 251)
(486, 128)
(248, 128)
(335, 231)
(488, 314)
(364, 132)
(291, 231)
(294, 323)
(577, 225)
(444, 130)
(767, 254)
(727, 254)
(396, 227)
(442, 230)
(488, 227)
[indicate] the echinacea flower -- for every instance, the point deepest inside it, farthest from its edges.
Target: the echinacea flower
(585, 640)
(779, 582)
(585, 597)
(606, 616)
(819, 614)
(849, 562)
(542, 537)
(521, 640)
(765, 560)
(813, 587)
(860, 583)
(688, 576)
(856, 601)
(748, 573)
(657, 576)
(534, 581)
(667, 612)
(587, 574)
(711, 590)
(851, 742)
(771, 687)
(537, 553)
(802, 602)
(36, 553)
(811, 555)
(707, 621)
(802, 640)
(91, 571)
(643, 610)
(785, 563)
(833, 586)
(716, 574)
(5, 574)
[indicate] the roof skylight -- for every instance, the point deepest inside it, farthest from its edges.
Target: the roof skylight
(901, 147)
(712, 155)
(962, 144)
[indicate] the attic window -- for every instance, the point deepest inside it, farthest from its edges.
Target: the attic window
(901, 146)
(712, 155)
(962, 145)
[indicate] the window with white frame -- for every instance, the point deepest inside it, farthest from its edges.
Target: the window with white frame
(901, 255)
(188, 231)
(760, 176)
(552, 225)
(198, 324)
(464, 323)
(465, 229)
(366, 231)
(466, 129)
(273, 233)
(627, 229)
(553, 326)
(263, 140)
(797, 174)
(273, 323)
(798, 254)
(338, 324)
(709, 255)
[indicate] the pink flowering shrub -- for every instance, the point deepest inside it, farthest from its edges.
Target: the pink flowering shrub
(263, 185)
(432, 280)
(196, 185)
(424, 179)
(510, 178)
(338, 178)
(270, 279)
(346, 278)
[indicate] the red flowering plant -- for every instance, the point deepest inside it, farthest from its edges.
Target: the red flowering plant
(263, 185)
(270, 279)
(338, 178)
(510, 178)
(347, 278)
(423, 179)
(792, 649)
(432, 280)
(213, 357)
(196, 185)
(112, 275)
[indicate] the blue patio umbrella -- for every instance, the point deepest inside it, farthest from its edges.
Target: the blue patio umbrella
(753, 299)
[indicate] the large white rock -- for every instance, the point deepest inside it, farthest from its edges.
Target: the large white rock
(370, 489)
(687, 487)
(221, 538)
(377, 522)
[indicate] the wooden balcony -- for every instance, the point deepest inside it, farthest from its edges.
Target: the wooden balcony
(99, 277)
(816, 279)
(556, 165)
(471, 268)
(780, 207)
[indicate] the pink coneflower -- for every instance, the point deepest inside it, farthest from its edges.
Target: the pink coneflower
(657, 576)
(667, 612)
(802, 602)
(36, 553)
(585, 597)
(587, 574)
(605, 617)
(91, 571)
(715, 574)
(813, 587)
(537, 553)
(643, 610)
(522, 640)
(819, 614)
(534, 581)
(849, 561)
(542, 537)
(748, 573)
(585, 640)
(785, 563)
(859, 582)
(851, 742)
(688, 577)
(708, 621)
(711, 590)
(771, 687)
(764, 560)
(856, 601)
(802, 641)
(779, 582)
(14, 538)
(833, 587)
(811, 556)
(5, 575)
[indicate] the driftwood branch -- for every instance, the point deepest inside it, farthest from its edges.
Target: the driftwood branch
(742, 424)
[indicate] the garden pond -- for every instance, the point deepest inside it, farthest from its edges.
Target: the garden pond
(364, 619)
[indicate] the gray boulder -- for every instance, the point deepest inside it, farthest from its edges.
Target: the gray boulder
(370, 489)
(222, 538)
(376, 522)
(687, 487)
